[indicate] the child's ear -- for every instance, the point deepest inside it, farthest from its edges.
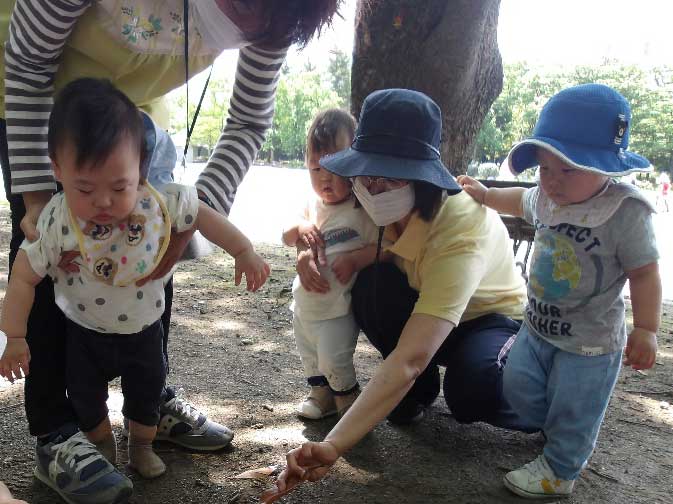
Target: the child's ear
(56, 168)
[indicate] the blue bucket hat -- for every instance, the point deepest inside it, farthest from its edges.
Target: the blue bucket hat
(587, 126)
(398, 137)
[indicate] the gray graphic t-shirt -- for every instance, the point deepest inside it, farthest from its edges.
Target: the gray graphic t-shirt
(577, 273)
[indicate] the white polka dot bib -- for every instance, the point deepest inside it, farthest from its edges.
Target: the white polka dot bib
(120, 254)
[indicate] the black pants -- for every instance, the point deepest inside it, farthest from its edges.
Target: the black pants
(47, 406)
(474, 353)
(95, 359)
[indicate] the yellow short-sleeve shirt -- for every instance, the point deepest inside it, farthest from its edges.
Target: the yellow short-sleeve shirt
(461, 263)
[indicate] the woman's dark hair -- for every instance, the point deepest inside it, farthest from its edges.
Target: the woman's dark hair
(427, 199)
(95, 116)
(293, 21)
(326, 128)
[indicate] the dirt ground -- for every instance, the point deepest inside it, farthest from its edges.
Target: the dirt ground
(234, 355)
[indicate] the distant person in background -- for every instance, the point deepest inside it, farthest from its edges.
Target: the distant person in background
(664, 189)
(140, 47)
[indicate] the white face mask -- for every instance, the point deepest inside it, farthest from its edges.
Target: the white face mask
(218, 31)
(386, 207)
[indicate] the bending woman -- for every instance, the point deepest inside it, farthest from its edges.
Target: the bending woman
(140, 47)
(450, 297)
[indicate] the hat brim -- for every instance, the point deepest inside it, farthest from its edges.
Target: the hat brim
(602, 161)
(354, 163)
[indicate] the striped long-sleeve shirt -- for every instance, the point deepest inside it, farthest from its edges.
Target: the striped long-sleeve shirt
(39, 34)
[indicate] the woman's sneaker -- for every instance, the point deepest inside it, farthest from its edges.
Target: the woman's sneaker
(536, 480)
(70, 465)
(181, 423)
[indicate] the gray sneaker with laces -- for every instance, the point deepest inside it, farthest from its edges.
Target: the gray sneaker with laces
(181, 423)
(72, 467)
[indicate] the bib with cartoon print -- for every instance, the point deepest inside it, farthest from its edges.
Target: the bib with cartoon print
(121, 254)
(591, 213)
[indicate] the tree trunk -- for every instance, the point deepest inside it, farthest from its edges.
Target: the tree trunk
(445, 48)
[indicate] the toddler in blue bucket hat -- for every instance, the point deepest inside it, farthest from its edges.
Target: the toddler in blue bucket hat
(592, 234)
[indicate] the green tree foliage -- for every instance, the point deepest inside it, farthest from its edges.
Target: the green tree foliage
(299, 97)
(212, 116)
(526, 89)
(339, 70)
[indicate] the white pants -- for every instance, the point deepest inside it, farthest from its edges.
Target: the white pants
(326, 349)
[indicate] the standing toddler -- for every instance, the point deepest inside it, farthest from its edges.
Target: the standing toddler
(593, 234)
(121, 227)
(324, 326)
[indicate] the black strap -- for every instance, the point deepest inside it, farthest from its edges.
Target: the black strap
(190, 126)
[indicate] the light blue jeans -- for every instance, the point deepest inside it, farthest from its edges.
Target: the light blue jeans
(562, 393)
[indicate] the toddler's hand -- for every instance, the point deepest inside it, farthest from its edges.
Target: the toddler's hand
(310, 236)
(473, 187)
(256, 270)
(15, 359)
(641, 349)
(344, 268)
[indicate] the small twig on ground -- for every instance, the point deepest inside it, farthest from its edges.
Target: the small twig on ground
(642, 424)
(649, 392)
(603, 475)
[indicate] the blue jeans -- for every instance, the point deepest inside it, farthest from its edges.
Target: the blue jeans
(562, 393)
(474, 353)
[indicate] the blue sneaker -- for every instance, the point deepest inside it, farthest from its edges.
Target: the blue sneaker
(71, 466)
(181, 423)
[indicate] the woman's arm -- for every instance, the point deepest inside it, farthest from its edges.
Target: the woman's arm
(251, 111)
(420, 340)
(38, 31)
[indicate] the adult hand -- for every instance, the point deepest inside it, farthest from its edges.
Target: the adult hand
(641, 349)
(67, 262)
(473, 187)
(308, 272)
(6, 496)
(311, 461)
(34, 203)
(15, 359)
(344, 268)
(176, 246)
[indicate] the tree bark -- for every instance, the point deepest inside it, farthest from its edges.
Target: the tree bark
(446, 49)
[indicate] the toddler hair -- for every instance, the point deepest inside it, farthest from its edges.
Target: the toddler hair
(332, 130)
(95, 116)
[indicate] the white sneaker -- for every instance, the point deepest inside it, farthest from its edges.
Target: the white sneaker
(536, 480)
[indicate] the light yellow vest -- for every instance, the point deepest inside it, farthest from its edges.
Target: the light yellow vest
(91, 52)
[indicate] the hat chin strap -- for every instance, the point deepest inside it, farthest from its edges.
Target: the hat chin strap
(376, 275)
